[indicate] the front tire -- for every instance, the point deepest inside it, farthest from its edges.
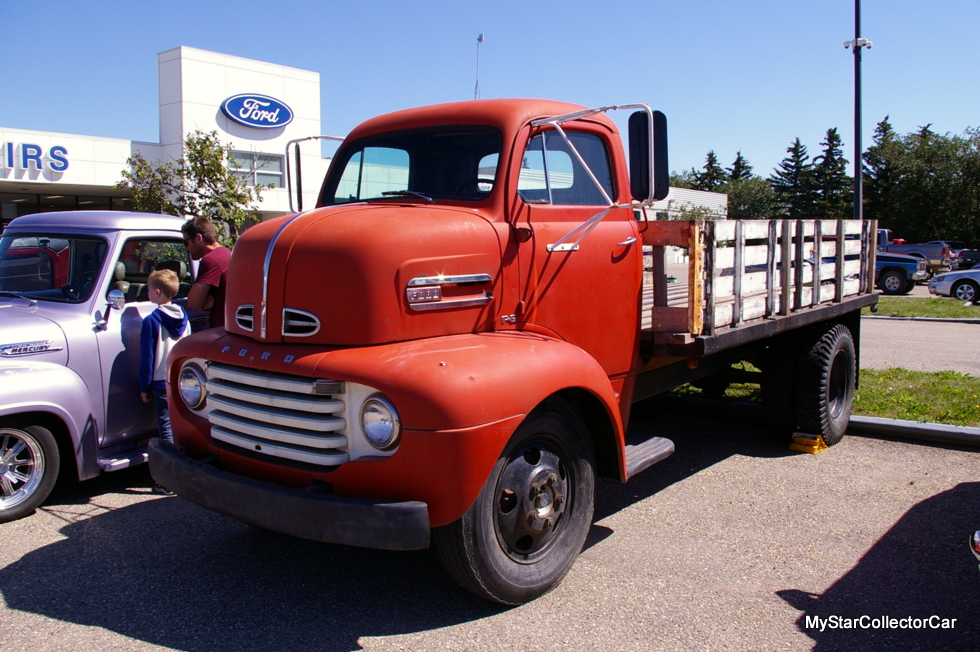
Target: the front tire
(893, 283)
(28, 469)
(529, 522)
(826, 378)
(966, 291)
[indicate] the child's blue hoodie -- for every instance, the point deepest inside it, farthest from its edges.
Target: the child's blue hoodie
(161, 330)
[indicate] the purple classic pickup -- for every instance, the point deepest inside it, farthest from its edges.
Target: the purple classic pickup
(72, 301)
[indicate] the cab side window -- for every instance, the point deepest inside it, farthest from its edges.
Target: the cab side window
(140, 256)
(551, 174)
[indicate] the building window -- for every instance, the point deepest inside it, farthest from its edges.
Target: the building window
(258, 168)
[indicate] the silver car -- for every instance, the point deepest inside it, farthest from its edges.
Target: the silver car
(72, 302)
(963, 285)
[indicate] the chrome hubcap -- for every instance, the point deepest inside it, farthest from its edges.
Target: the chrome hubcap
(21, 467)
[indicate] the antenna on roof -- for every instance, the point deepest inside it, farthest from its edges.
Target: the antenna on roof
(476, 91)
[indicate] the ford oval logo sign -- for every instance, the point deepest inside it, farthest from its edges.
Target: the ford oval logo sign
(259, 111)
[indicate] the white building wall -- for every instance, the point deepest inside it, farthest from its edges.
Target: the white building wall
(194, 83)
(64, 158)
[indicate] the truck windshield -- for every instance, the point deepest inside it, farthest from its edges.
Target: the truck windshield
(458, 164)
(51, 267)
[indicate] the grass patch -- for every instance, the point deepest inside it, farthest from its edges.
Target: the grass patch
(938, 307)
(936, 397)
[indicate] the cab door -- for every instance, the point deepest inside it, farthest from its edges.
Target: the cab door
(586, 293)
(127, 418)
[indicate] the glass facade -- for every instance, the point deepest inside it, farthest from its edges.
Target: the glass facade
(16, 204)
(258, 168)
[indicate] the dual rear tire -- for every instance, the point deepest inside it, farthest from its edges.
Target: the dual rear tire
(809, 383)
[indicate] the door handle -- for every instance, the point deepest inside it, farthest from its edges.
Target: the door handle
(627, 242)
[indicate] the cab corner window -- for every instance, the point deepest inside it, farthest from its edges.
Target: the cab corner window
(551, 174)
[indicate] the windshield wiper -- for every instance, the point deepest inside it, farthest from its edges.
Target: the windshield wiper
(11, 293)
(408, 193)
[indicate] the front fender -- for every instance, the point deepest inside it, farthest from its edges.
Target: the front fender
(54, 389)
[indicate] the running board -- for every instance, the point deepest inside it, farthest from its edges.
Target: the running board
(641, 454)
(124, 461)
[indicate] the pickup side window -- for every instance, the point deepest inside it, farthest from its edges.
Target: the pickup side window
(449, 163)
(140, 256)
(550, 173)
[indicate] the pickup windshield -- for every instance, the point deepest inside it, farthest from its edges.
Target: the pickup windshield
(448, 163)
(51, 267)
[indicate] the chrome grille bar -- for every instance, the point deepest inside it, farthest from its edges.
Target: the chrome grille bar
(278, 415)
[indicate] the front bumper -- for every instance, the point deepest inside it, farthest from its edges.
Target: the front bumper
(303, 513)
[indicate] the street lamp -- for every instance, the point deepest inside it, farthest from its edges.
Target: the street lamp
(856, 46)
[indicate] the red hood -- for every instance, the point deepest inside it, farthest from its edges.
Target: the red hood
(347, 269)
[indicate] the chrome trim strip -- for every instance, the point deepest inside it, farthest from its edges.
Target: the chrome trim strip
(265, 273)
(421, 281)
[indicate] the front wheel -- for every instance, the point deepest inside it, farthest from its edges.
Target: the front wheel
(966, 291)
(893, 283)
(826, 378)
(28, 470)
(529, 522)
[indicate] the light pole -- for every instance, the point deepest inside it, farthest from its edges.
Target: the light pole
(856, 45)
(476, 91)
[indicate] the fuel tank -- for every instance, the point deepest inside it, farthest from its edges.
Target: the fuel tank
(363, 274)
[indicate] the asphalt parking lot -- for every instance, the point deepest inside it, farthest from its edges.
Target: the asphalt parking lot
(730, 544)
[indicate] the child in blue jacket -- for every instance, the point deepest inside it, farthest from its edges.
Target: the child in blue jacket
(161, 331)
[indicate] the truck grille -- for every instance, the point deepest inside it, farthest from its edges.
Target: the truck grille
(278, 415)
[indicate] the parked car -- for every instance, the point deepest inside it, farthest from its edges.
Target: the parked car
(935, 253)
(955, 249)
(73, 296)
(898, 273)
(963, 285)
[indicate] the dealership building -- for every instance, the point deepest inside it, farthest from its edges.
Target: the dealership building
(255, 106)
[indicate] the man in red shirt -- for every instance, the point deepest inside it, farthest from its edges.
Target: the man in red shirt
(208, 290)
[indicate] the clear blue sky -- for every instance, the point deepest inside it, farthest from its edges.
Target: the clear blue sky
(749, 76)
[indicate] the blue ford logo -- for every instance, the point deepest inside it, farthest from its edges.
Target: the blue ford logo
(259, 111)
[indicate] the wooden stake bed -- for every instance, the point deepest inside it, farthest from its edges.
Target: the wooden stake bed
(750, 279)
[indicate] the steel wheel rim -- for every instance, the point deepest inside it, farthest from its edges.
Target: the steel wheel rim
(892, 283)
(531, 501)
(837, 387)
(21, 467)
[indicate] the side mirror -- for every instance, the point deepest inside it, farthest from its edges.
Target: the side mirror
(115, 300)
(649, 175)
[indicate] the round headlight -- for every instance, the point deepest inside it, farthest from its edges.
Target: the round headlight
(193, 386)
(380, 423)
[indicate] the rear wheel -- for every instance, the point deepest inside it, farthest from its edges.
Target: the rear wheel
(966, 291)
(528, 524)
(28, 469)
(826, 378)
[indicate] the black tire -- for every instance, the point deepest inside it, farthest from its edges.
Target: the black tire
(893, 282)
(529, 522)
(965, 290)
(825, 382)
(776, 391)
(29, 466)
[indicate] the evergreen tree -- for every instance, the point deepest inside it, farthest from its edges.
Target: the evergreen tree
(713, 175)
(794, 184)
(881, 188)
(740, 169)
(834, 186)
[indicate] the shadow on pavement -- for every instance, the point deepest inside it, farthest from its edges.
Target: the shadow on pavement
(920, 568)
(170, 573)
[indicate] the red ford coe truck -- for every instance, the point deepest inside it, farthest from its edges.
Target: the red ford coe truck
(446, 349)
